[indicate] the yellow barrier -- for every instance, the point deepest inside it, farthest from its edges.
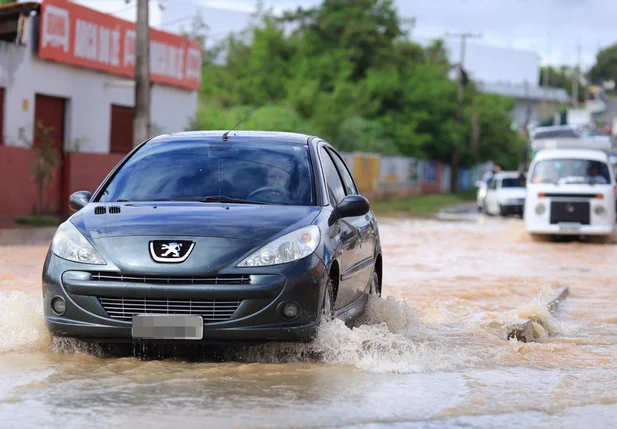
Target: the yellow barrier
(366, 171)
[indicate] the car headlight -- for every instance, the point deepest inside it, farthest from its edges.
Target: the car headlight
(288, 248)
(70, 244)
(482, 193)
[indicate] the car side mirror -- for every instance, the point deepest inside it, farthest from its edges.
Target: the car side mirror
(351, 206)
(79, 200)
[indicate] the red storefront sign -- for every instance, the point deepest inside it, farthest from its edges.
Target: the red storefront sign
(80, 36)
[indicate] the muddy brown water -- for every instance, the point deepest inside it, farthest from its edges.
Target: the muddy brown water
(430, 353)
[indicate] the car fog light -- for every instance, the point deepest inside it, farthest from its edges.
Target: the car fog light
(600, 210)
(291, 310)
(540, 208)
(58, 305)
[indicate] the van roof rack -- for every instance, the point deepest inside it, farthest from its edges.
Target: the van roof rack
(602, 143)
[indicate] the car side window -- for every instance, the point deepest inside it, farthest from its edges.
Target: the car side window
(350, 187)
(493, 184)
(333, 180)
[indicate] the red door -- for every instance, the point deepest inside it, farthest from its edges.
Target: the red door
(49, 130)
(121, 133)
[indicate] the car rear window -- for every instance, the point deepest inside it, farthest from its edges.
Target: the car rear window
(199, 169)
(512, 182)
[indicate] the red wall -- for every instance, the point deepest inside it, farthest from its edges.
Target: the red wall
(17, 189)
(86, 171)
(83, 172)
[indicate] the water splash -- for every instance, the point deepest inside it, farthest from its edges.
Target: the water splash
(389, 337)
(22, 327)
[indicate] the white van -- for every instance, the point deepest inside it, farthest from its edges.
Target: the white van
(570, 187)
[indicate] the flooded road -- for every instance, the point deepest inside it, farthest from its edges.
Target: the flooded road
(431, 353)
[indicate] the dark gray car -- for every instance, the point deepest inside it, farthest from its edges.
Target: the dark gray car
(194, 237)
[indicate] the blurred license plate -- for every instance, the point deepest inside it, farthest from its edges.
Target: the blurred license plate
(569, 227)
(167, 327)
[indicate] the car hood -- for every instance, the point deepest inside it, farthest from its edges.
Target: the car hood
(238, 221)
(221, 233)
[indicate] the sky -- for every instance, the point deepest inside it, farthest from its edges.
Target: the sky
(551, 28)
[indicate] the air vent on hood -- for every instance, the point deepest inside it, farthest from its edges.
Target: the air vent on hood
(100, 210)
(114, 210)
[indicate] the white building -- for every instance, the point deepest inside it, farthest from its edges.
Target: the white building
(71, 68)
(82, 61)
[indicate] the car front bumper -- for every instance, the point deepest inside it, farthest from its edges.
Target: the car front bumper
(512, 209)
(570, 230)
(258, 317)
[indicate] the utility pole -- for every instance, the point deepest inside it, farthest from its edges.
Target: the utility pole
(456, 153)
(576, 77)
(141, 119)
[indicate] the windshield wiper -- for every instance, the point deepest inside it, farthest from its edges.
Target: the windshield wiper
(219, 199)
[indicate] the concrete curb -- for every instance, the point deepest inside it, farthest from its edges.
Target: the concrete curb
(523, 330)
(26, 236)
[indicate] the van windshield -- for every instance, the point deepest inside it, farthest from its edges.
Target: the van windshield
(571, 171)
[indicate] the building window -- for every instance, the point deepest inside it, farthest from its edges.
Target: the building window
(121, 134)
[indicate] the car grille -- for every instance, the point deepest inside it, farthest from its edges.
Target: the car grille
(236, 279)
(211, 310)
(570, 211)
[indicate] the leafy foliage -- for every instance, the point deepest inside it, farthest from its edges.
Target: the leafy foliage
(605, 68)
(561, 77)
(347, 71)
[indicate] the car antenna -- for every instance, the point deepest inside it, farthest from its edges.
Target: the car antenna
(235, 126)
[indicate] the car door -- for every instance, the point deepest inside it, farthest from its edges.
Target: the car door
(360, 274)
(344, 235)
(491, 197)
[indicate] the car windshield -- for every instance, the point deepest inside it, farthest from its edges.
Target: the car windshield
(511, 182)
(260, 172)
(571, 171)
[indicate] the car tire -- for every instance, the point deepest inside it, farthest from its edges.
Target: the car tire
(327, 307)
(374, 288)
(502, 211)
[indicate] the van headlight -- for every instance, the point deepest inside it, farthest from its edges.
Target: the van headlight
(288, 248)
(70, 244)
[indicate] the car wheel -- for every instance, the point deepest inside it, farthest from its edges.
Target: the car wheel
(327, 309)
(502, 211)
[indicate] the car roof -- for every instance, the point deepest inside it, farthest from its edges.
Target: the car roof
(506, 174)
(214, 135)
(590, 154)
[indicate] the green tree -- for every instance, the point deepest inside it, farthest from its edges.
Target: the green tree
(605, 67)
(560, 77)
(348, 73)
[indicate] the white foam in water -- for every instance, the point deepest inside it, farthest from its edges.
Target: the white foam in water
(391, 338)
(22, 326)
(536, 309)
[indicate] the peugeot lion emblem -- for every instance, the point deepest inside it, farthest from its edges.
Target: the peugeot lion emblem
(171, 251)
(570, 208)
